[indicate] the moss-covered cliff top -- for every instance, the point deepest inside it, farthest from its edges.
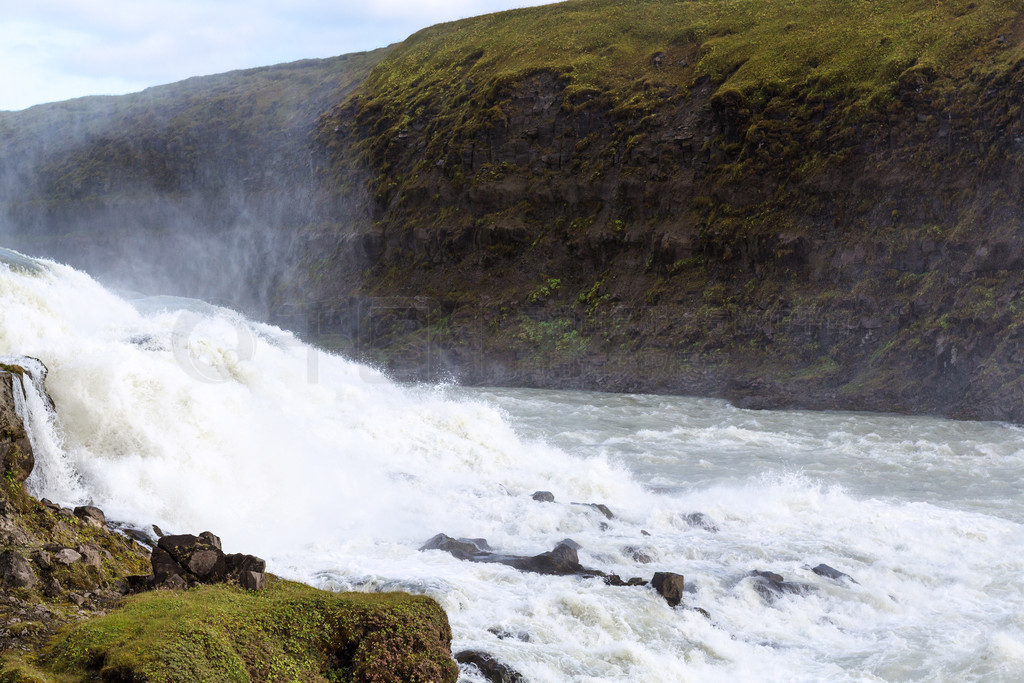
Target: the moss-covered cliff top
(835, 45)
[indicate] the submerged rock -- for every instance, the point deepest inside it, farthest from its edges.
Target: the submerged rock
(640, 555)
(616, 580)
(698, 520)
(600, 507)
(463, 549)
(492, 669)
(770, 585)
(504, 634)
(562, 560)
(832, 573)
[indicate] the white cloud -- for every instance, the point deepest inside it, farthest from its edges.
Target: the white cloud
(58, 49)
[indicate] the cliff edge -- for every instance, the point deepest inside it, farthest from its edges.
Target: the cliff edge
(811, 205)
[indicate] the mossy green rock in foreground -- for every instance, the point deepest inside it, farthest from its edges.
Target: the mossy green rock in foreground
(288, 632)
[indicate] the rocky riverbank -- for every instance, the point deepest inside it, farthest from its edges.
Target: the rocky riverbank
(82, 599)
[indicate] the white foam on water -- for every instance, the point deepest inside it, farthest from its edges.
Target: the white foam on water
(194, 418)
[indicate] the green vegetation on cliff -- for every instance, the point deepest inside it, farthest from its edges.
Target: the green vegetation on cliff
(748, 45)
(788, 203)
(629, 56)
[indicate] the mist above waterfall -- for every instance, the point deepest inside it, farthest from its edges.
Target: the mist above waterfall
(205, 188)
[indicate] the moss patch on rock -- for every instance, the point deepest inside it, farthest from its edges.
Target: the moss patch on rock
(289, 632)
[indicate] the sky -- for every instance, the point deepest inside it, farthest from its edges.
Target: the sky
(54, 50)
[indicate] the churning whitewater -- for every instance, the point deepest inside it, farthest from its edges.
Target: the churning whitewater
(191, 417)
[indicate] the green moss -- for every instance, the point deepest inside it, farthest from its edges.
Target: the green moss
(13, 369)
(456, 76)
(289, 632)
(550, 286)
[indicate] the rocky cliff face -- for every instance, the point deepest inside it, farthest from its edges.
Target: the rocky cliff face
(812, 240)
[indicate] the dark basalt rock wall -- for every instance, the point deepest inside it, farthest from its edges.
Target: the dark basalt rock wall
(781, 246)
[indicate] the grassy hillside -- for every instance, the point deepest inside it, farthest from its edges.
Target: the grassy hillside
(838, 45)
(628, 56)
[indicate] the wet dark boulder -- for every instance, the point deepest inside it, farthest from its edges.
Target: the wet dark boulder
(544, 496)
(492, 669)
(463, 549)
(563, 560)
(670, 586)
(832, 573)
(183, 559)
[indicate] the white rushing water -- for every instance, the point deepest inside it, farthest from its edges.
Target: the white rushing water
(191, 417)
